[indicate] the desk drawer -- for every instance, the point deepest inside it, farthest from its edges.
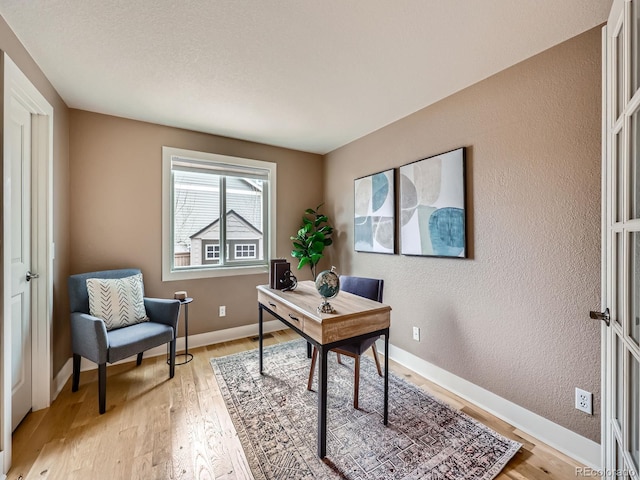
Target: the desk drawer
(355, 315)
(290, 315)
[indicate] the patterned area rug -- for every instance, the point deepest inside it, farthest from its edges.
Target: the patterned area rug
(276, 419)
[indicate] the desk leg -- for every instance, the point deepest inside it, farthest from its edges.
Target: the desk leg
(322, 402)
(260, 335)
(386, 378)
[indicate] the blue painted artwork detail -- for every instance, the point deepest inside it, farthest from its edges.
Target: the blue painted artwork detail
(446, 229)
(379, 190)
(363, 233)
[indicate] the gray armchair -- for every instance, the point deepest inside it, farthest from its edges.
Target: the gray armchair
(90, 338)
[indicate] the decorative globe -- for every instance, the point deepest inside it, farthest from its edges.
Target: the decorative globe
(328, 286)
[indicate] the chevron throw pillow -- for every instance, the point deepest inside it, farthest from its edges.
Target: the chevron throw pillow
(119, 302)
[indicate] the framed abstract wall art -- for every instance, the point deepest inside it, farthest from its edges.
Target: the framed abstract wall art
(432, 206)
(374, 213)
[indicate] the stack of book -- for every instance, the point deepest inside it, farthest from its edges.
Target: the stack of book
(277, 270)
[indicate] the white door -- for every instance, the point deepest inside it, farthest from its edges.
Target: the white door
(19, 138)
(621, 242)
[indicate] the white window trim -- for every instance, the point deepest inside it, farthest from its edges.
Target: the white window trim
(208, 271)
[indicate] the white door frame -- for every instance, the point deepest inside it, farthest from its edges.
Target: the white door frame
(604, 262)
(18, 86)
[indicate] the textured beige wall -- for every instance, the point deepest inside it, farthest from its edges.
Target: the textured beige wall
(61, 342)
(116, 208)
(513, 318)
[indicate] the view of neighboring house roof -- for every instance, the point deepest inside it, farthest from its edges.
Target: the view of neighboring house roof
(233, 219)
(197, 203)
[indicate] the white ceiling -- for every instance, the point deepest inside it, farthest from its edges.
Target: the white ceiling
(310, 75)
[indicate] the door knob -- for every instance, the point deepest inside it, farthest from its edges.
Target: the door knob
(604, 316)
(31, 275)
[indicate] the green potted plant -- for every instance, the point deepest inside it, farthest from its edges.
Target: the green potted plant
(314, 234)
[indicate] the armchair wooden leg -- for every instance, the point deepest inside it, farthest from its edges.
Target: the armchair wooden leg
(375, 357)
(76, 373)
(102, 387)
(314, 356)
(139, 359)
(339, 358)
(172, 358)
(356, 381)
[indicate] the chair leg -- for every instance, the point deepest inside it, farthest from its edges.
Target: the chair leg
(356, 381)
(139, 359)
(172, 358)
(102, 387)
(375, 357)
(76, 373)
(339, 358)
(312, 370)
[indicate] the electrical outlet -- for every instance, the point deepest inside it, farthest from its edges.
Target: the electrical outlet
(584, 401)
(223, 311)
(416, 334)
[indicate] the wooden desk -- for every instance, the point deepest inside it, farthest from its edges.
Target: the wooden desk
(356, 318)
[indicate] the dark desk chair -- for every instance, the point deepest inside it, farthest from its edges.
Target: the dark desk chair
(370, 288)
(94, 339)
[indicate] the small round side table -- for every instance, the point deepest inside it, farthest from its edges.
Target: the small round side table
(187, 356)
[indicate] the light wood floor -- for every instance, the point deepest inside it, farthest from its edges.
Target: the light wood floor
(156, 428)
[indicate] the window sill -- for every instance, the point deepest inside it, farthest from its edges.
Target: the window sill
(170, 276)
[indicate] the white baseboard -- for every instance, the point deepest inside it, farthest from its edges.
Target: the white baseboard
(566, 441)
(61, 378)
(195, 341)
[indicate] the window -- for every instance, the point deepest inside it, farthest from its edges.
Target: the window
(211, 200)
(212, 252)
(244, 250)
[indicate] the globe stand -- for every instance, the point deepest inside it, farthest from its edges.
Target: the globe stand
(326, 307)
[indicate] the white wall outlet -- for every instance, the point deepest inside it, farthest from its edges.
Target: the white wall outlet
(584, 401)
(416, 334)
(223, 311)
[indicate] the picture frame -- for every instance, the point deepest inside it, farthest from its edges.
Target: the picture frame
(375, 213)
(433, 206)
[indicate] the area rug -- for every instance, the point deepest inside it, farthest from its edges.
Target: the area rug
(276, 419)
